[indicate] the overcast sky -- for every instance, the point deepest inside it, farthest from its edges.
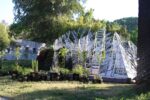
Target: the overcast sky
(113, 9)
(103, 9)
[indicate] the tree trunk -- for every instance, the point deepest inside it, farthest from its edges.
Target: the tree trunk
(143, 69)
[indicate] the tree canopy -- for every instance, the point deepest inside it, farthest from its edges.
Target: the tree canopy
(40, 18)
(46, 20)
(131, 24)
(4, 38)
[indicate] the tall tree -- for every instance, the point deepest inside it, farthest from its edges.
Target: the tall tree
(44, 20)
(4, 38)
(144, 43)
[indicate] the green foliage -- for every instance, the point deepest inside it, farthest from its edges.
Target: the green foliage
(115, 27)
(64, 70)
(63, 52)
(102, 57)
(35, 65)
(78, 69)
(24, 70)
(46, 19)
(17, 53)
(97, 77)
(86, 72)
(4, 38)
(103, 54)
(130, 22)
(62, 56)
(6, 68)
(2, 53)
(55, 69)
(84, 55)
(134, 36)
(23, 66)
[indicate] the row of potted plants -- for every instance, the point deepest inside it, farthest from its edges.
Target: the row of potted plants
(54, 76)
(78, 73)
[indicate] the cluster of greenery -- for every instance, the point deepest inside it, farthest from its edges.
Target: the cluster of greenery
(4, 37)
(22, 66)
(78, 69)
(131, 24)
(46, 20)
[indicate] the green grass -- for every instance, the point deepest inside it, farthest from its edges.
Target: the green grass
(47, 90)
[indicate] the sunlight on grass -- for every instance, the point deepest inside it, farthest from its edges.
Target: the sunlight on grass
(59, 90)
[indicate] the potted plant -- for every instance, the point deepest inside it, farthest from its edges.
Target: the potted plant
(53, 75)
(64, 74)
(97, 79)
(85, 76)
(77, 72)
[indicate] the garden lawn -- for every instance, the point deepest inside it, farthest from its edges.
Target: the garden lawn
(64, 90)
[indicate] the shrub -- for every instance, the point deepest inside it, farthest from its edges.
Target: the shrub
(7, 69)
(78, 69)
(24, 63)
(64, 70)
(86, 72)
(35, 65)
(54, 69)
(97, 79)
(24, 70)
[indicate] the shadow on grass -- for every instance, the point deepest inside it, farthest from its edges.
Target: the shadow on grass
(80, 93)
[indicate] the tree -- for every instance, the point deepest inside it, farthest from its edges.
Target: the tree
(134, 36)
(131, 23)
(143, 69)
(84, 57)
(62, 54)
(4, 38)
(4, 41)
(45, 20)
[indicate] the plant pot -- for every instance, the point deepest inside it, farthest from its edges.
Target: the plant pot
(84, 79)
(62, 77)
(15, 75)
(76, 77)
(53, 76)
(33, 76)
(70, 77)
(43, 76)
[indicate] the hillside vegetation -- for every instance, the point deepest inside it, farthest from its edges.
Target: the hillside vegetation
(131, 24)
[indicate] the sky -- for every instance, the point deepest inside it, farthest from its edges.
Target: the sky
(103, 9)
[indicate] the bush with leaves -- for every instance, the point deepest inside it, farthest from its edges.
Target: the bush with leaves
(62, 56)
(4, 38)
(78, 69)
(64, 71)
(35, 65)
(24, 70)
(55, 69)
